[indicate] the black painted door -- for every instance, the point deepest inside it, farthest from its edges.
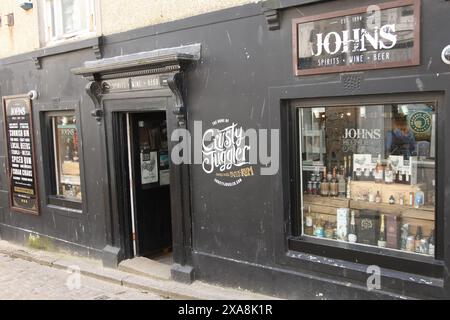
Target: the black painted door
(151, 183)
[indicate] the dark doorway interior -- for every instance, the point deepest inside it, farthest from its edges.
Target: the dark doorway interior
(150, 183)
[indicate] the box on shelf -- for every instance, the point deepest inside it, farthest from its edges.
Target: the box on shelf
(71, 168)
(368, 226)
(393, 223)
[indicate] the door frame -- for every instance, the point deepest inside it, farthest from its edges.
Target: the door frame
(129, 186)
(118, 228)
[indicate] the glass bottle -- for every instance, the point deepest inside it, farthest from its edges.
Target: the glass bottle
(389, 173)
(334, 184)
(391, 199)
(309, 223)
(348, 191)
(431, 244)
(324, 185)
(418, 238)
(352, 232)
(378, 197)
(378, 174)
(382, 237)
(341, 183)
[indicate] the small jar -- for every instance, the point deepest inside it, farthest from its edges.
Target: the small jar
(410, 244)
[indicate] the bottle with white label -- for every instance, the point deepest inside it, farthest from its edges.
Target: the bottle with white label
(378, 173)
(309, 223)
(382, 236)
(352, 232)
(431, 244)
(389, 173)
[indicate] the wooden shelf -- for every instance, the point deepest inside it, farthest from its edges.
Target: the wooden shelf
(325, 208)
(357, 188)
(422, 213)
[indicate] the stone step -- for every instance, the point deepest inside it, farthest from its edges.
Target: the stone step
(146, 267)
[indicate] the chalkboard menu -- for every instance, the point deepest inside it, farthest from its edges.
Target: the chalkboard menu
(21, 162)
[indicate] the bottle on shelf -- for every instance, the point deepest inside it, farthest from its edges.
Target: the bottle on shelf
(309, 229)
(352, 232)
(401, 199)
(378, 174)
(319, 230)
(389, 173)
(411, 199)
(348, 190)
(334, 184)
(308, 189)
(324, 185)
(367, 174)
(407, 177)
(417, 239)
(341, 183)
(399, 176)
(391, 199)
(431, 243)
(378, 197)
(431, 195)
(382, 237)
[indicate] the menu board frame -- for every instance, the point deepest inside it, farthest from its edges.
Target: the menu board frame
(414, 61)
(25, 101)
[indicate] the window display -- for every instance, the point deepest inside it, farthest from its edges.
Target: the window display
(67, 166)
(369, 177)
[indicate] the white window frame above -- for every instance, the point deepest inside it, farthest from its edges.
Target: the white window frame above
(53, 20)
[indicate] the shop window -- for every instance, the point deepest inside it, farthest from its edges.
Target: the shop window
(66, 166)
(65, 19)
(367, 177)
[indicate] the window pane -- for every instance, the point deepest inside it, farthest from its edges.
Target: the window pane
(368, 175)
(66, 156)
(74, 15)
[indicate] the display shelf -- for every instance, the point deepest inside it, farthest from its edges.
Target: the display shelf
(358, 188)
(69, 179)
(328, 205)
(325, 208)
(422, 213)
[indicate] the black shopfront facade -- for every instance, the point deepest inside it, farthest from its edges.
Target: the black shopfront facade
(337, 107)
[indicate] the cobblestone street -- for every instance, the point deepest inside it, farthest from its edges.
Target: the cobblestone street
(20, 279)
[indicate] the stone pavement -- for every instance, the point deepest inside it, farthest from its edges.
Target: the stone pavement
(26, 272)
(26, 280)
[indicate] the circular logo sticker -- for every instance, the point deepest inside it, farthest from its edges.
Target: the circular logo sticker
(420, 121)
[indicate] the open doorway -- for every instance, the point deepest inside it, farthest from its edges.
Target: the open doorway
(149, 187)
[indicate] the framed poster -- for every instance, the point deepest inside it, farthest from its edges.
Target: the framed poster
(149, 166)
(385, 35)
(21, 167)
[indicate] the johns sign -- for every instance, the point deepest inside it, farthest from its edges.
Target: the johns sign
(378, 36)
(21, 164)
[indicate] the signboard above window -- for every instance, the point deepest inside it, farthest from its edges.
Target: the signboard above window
(373, 37)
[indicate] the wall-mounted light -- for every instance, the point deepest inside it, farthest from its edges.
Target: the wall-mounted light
(25, 4)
